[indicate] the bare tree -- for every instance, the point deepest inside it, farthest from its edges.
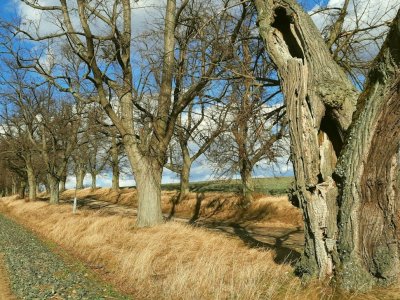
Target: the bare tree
(106, 57)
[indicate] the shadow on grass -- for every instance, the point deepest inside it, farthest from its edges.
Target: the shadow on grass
(283, 254)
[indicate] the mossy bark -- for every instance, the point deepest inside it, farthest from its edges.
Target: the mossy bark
(320, 104)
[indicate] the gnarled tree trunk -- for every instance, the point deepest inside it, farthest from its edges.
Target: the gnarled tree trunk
(367, 174)
(320, 103)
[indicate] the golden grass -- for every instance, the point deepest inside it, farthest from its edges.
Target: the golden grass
(170, 261)
(211, 206)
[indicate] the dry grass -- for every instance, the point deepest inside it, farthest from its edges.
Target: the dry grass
(212, 206)
(171, 261)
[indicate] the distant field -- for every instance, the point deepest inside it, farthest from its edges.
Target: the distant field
(270, 185)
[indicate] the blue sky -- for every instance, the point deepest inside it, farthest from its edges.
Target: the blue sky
(200, 170)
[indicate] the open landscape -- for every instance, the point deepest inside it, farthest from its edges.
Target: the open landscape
(199, 149)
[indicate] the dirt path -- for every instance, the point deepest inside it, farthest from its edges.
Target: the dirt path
(287, 242)
(5, 291)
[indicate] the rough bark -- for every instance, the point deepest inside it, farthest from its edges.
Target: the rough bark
(361, 195)
(320, 101)
(148, 182)
(54, 185)
(367, 175)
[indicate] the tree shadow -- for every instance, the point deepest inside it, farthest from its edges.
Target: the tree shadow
(283, 253)
(196, 213)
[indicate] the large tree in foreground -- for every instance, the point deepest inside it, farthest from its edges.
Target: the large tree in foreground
(344, 149)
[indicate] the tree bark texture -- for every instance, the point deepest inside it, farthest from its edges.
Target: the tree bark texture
(147, 172)
(367, 174)
(320, 104)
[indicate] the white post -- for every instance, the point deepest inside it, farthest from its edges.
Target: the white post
(74, 206)
(75, 201)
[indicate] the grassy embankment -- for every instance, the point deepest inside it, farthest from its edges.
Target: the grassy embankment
(174, 260)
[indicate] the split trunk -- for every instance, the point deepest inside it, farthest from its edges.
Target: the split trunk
(349, 207)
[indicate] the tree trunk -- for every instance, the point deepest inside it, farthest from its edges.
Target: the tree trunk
(148, 182)
(350, 226)
(13, 187)
(22, 189)
(185, 175)
(147, 173)
(80, 175)
(94, 177)
(115, 179)
(247, 185)
(319, 102)
(54, 185)
(115, 165)
(367, 175)
(62, 185)
(63, 181)
(31, 182)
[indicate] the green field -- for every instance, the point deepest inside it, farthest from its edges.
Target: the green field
(270, 185)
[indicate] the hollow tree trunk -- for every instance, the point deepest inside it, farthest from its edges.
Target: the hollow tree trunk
(54, 185)
(114, 164)
(31, 182)
(320, 102)
(350, 214)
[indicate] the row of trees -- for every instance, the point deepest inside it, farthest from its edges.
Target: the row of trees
(216, 84)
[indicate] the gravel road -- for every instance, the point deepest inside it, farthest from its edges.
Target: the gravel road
(36, 272)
